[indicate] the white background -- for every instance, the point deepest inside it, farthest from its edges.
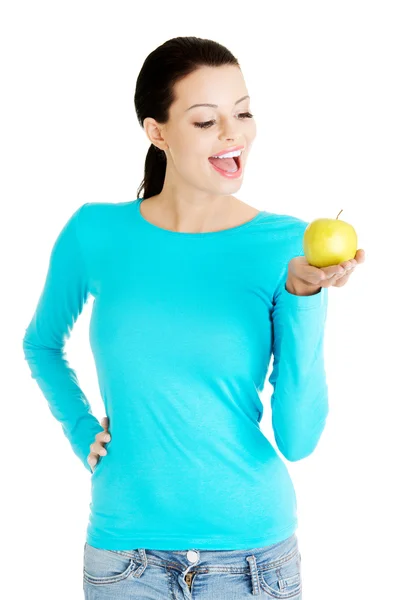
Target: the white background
(324, 83)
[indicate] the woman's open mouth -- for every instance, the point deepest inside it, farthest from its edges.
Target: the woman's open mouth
(228, 167)
(237, 160)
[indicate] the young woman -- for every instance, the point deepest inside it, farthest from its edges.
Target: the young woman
(194, 291)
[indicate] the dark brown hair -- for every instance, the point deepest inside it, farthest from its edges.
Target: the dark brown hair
(154, 93)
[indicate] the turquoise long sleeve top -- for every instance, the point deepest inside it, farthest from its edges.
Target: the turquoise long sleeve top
(182, 330)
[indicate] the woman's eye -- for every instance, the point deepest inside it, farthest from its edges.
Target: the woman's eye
(245, 115)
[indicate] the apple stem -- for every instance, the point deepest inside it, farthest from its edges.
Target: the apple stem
(340, 212)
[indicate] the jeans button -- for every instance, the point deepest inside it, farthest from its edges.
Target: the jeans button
(192, 555)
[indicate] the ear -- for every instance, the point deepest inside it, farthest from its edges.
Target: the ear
(153, 131)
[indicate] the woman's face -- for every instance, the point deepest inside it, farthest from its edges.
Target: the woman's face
(188, 146)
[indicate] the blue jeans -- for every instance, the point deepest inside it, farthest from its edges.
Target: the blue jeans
(269, 572)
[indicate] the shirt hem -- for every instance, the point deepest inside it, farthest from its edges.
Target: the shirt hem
(178, 542)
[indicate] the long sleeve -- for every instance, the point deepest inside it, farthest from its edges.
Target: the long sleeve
(299, 401)
(62, 299)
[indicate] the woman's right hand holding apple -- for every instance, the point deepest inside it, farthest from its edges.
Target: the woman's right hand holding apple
(97, 448)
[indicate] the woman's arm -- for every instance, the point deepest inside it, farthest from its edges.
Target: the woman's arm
(299, 401)
(62, 299)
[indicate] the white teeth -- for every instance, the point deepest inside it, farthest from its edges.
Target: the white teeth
(229, 154)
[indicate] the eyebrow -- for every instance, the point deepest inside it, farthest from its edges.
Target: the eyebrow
(216, 105)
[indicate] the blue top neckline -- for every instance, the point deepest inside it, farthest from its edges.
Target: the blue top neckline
(220, 232)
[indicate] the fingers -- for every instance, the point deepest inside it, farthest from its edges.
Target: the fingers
(332, 271)
(338, 279)
(97, 448)
(326, 283)
(360, 255)
(341, 280)
(335, 272)
(334, 275)
(330, 279)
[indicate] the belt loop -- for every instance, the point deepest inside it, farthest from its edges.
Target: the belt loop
(143, 556)
(254, 575)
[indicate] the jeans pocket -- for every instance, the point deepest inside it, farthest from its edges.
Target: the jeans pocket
(106, 566)
(284, 579)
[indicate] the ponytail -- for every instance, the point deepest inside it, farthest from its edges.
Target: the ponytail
(154, 172)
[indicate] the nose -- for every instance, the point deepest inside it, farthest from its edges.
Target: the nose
(229, 132)
(231, 137)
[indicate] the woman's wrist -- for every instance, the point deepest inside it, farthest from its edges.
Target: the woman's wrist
(299, 288)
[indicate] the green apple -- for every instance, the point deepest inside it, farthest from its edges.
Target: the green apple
(329, 242)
